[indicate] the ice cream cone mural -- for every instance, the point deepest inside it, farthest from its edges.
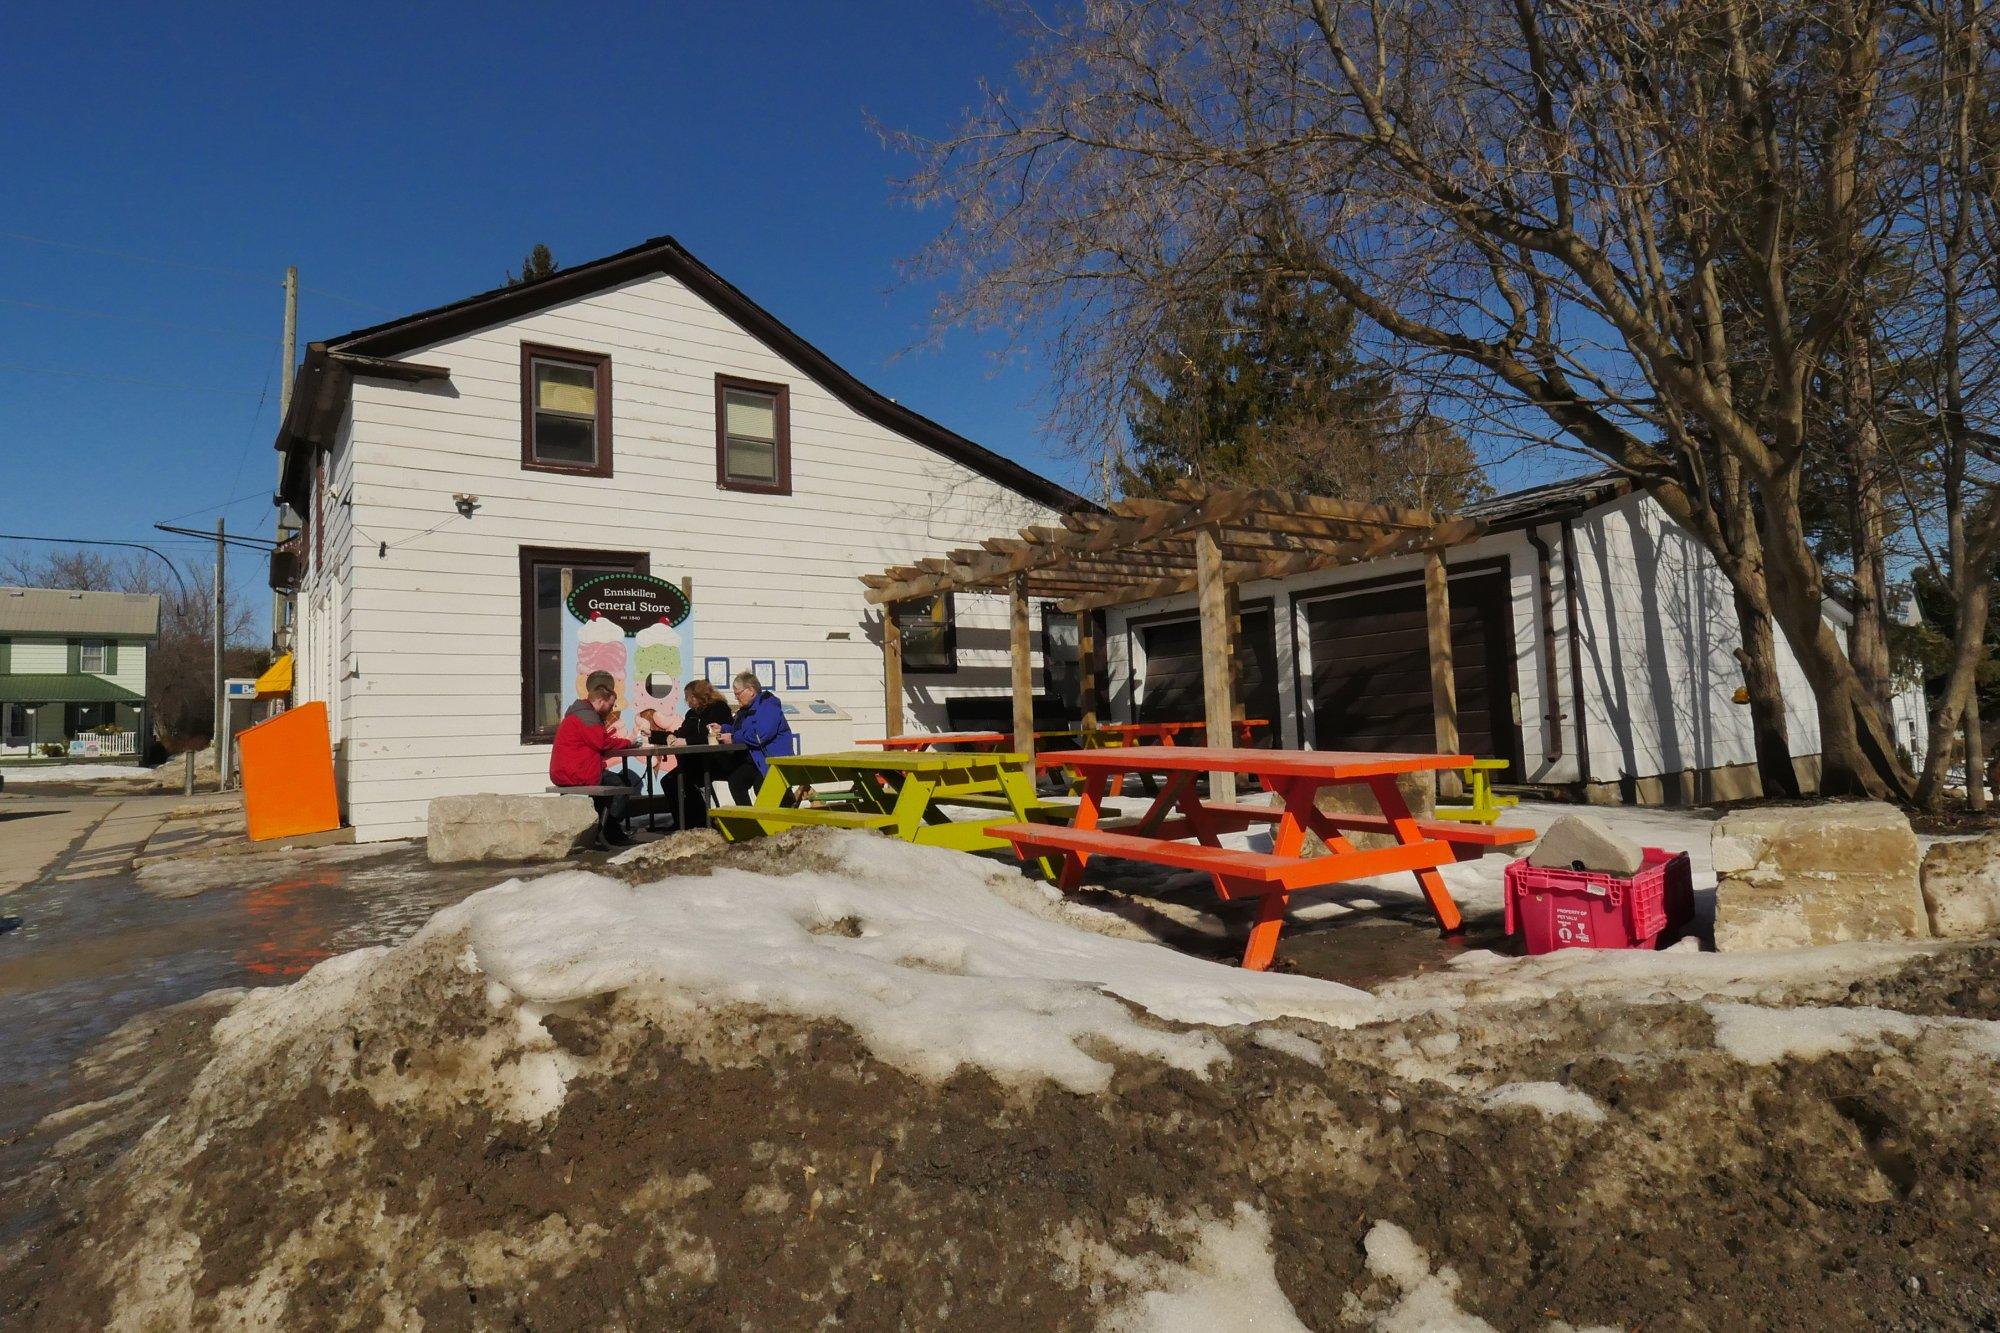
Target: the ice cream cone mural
(638, 628)
(600, 646)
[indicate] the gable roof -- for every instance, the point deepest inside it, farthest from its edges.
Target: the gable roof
(1548, 502)
(320, 390)
(60, 611)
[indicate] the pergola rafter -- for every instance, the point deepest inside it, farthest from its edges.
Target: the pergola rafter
(1193, 539)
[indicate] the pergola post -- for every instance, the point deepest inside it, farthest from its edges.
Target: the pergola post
(892, 671)
(1217, 654)
(1086, 657)
(1444, 690)
(1023, 666)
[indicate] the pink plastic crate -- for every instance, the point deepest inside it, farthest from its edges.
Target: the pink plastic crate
(1586, 909)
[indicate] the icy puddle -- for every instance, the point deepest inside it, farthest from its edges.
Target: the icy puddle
(91, 954)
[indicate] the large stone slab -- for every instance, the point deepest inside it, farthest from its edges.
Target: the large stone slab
(1580, 842)
(1419, 793)
(1791, 877)
(1961, 882)
(487, 827)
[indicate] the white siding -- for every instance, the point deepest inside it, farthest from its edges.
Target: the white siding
(425, 650)
(39, 657)
(1657, 638)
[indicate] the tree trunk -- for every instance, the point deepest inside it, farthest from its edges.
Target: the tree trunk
(1758, 655)
(1868, 636)
(1857, 755)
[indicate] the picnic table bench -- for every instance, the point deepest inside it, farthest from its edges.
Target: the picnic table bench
(905, 793)
(1295, 778)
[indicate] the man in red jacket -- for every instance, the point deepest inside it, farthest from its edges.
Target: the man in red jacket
(583, 743)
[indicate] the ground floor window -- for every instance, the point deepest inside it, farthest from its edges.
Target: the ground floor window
(79, 718)
(930, 633)
(1062, 660)
(547, 576)
(17, 724)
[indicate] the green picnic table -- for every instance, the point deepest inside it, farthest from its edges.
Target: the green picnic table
(907, 794)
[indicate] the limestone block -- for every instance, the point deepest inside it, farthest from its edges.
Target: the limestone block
(1580, 841)
(1961, 882)
(1791, 877)
(1419, 793)
(487, 827)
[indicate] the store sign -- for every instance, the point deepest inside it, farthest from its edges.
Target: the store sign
(629, 601)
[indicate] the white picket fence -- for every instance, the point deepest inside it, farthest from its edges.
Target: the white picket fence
(92, 745)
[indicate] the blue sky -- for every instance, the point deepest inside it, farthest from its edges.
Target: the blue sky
(165, 163)
(406, 156)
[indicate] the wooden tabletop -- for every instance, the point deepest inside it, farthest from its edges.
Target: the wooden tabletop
(921, 738)
(655, 751)
(1334, 764)
(900, 761)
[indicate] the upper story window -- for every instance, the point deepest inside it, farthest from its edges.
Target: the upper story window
(91, 657)
(565, 411)
(753, 436)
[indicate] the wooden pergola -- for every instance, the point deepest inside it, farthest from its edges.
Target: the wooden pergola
(1205, 541)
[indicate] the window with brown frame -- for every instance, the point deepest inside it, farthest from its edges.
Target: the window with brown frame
(753, 436)
(565, 411)
(547, 576)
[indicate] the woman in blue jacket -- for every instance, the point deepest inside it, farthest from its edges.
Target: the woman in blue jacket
(760, 724)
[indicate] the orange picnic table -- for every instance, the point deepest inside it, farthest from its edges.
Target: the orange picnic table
(1160, 836)
(976, 740)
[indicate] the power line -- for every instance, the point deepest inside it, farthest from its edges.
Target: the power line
(133, 319)
(123, 379)
(226, 504)
(263, 545)
(139, 258)
(100, 541)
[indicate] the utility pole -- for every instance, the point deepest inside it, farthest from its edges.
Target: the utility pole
(291, 340)
(221, 718)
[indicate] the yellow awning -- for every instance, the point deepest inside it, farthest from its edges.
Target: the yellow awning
(276, 682)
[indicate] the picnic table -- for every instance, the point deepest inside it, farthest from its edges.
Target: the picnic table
(905, 793)
(651, 752)
(1485, 807)
(1295, 777)
(977, 740)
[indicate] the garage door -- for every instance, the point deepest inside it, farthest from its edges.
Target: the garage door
(1171, 690)
(1371, 676)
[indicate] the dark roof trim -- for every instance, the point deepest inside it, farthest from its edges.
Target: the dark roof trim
(1549, 503)
(662, 254)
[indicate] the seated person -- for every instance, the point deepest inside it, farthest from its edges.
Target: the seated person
(759, 724)
(583, 742)
(705, 709)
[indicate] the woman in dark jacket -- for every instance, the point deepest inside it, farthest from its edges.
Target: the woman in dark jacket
(705, 708)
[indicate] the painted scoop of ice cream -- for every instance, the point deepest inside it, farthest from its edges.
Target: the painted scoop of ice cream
(659, 650)
(601, 647)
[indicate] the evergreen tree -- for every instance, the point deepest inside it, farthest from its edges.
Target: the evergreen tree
(1265, 388)
(540, 263)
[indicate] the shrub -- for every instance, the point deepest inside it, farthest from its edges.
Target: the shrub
(54, 749)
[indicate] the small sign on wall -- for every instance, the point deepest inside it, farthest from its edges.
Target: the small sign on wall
(766, 672)
(717, 671)
(797, 676)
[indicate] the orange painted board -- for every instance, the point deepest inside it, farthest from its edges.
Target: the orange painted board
(288, 775)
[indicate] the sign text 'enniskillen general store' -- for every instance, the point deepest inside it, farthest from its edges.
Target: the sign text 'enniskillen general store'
(629, 601)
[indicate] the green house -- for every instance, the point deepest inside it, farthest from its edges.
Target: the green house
(73, 670)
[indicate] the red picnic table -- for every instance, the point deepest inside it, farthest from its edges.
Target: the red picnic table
(1295, 777)
(1169, 733)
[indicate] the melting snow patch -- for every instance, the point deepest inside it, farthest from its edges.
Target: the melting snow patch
(1228, 1283)
(1760, 1036)
(1551, 1099)
(907, 945)
(1429, 1301)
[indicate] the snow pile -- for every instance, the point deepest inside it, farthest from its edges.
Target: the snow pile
(1551, 1099)
(1428, 1302)
(54, 771)
(909, 946)
(1227, 1283)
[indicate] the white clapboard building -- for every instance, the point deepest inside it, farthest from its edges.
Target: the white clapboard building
(640, 426)
(1593, 646)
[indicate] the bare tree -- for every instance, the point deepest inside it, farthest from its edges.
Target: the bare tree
(1644, 221)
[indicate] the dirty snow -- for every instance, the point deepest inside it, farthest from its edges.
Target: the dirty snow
(1228, 1283)
(25, 775)
(1428, 1302)
(909, 946)
(1551, 1099)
